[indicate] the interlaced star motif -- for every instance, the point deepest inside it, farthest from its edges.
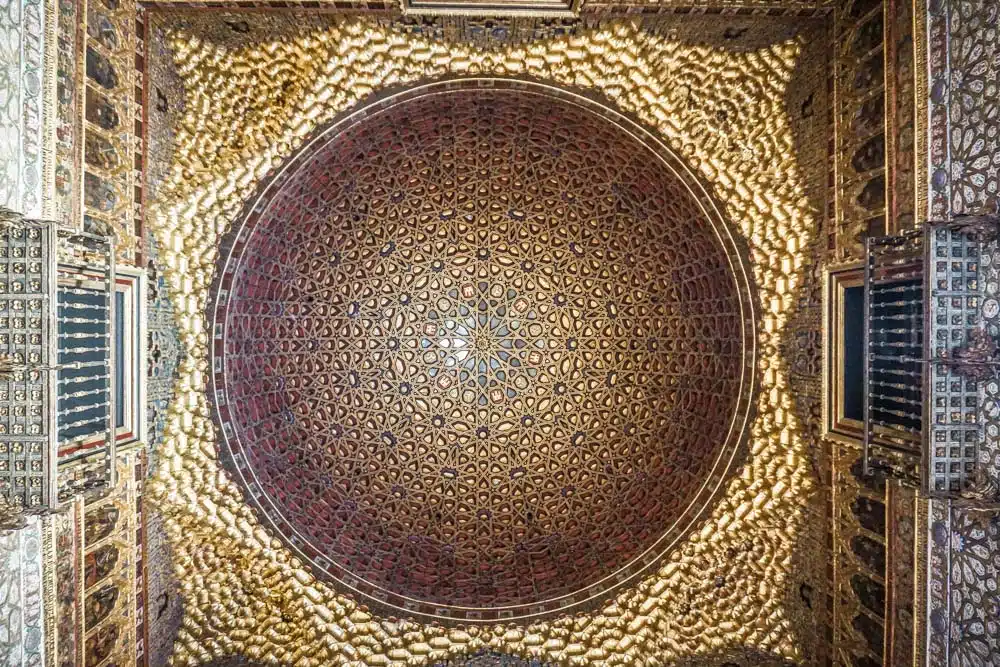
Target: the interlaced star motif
(480, 350)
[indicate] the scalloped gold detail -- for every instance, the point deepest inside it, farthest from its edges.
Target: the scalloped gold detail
(248, 108)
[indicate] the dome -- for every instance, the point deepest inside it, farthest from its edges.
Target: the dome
(483, 350)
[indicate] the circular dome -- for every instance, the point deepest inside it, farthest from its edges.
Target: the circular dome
(483, 350)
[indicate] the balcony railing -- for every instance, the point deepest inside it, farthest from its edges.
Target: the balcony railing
(929, 355)
(56, 361)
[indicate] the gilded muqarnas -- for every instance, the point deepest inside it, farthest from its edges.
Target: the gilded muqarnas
(246, 594)
(558, 363)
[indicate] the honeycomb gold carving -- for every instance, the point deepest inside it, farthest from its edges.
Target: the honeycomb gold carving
(727, 586)
(531, 327)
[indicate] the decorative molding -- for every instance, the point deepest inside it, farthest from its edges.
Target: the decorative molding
(860, 125)
(62, 567)
(534, 8)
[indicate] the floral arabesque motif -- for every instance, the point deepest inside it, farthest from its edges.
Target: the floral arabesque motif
(975, 599)
(975, 104)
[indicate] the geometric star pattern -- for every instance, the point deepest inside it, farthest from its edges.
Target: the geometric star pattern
(480, 352)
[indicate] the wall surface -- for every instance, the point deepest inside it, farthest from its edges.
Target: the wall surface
(962, 176)
(22, 627)
(22, 86)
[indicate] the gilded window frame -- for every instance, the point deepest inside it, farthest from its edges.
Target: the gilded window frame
(836, 282)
